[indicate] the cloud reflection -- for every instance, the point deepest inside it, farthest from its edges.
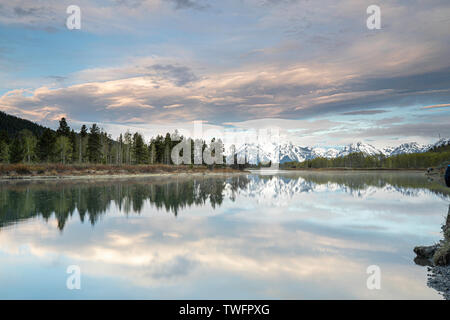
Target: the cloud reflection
(243, 248)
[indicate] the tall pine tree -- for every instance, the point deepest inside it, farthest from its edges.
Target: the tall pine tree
(46, 146)
(94, 147)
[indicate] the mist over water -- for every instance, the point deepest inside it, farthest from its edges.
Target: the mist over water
(301, 235)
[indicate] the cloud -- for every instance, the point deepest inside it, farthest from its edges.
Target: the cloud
(130, 3)
(437, 106)
(180, 75)
(19, 11)
(363, 112)
(289, 60)
(164, 93)
(189, 4)
(233, 244)
(172, 106)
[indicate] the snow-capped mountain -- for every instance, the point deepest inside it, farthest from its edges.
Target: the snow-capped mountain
(255, 153)
(440, 143)
(325, 153)
(289, 152)
(387, 151)
(357, 147)
(252, 153)
(412, 147)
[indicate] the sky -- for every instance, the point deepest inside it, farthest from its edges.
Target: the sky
(313, 69)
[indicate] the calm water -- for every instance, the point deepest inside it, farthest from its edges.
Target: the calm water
(283, 236)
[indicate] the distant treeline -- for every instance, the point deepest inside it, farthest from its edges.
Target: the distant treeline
(11, 125)
(90, 145)
(432, 158)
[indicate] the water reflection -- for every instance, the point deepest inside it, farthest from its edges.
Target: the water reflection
(23, 200)
(19, 201)
(291, 235)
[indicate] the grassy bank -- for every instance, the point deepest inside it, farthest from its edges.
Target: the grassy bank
(37, 170)
(352, 169)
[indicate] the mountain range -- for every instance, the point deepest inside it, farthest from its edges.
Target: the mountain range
(255, 153)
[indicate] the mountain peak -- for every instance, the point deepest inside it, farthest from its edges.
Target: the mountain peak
(288, 152)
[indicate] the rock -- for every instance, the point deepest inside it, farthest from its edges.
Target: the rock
(426, 252)
(439, 279)
(442, 257)
(423, 262)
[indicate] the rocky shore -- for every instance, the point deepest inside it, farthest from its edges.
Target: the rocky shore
(437, 260)
(439, 280)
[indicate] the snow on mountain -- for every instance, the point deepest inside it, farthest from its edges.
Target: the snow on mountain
(365, 148)
(252, 153)
(324, 153)
(440, 143)
(387, 151)
(412, 147)
(255, 153)
(289, 152)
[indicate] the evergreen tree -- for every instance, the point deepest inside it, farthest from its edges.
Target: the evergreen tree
(73, 145)
(83, 131)
(4, 136)
(4, 147)
(46, 146)
(82, 144)
(64, 129)
(13, 125)
(94, 147)
(4, 152)
(139, 149)
(16, 152)
(167, 149)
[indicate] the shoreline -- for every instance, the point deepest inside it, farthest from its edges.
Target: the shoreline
(118, 176)
(139, 172)
(354, 169)
(18, 172)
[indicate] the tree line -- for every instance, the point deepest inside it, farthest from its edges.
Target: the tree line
(359, 160)
(90, 145)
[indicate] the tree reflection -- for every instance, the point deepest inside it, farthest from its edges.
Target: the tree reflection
(91, 199)
(20, 201)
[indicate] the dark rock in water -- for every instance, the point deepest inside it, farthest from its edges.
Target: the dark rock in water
(426, 252)
(423, 262)
(439, 279)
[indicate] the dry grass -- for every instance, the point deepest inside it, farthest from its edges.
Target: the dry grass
(53, 169)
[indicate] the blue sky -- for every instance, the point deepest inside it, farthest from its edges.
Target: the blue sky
(312, 68)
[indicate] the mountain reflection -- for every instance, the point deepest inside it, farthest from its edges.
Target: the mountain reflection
(91, 199)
